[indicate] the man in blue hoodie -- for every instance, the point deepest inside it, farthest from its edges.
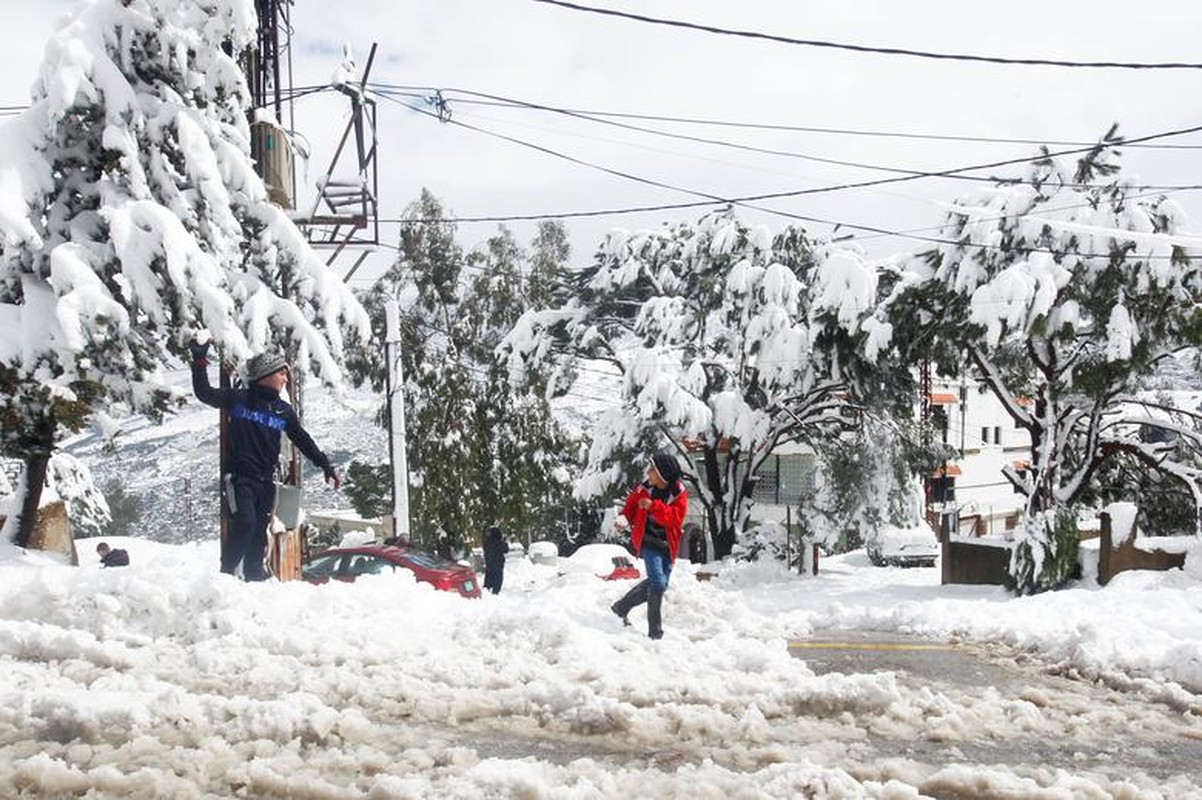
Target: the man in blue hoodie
(257, 417)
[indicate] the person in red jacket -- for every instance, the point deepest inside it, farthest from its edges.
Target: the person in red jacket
(655, 510)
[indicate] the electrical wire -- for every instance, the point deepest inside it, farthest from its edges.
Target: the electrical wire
(423, 92)
(737, 146)
(933, 137)
(819, 159)
(893, 51)
(499, 101)
(741, 200)
(749, 201)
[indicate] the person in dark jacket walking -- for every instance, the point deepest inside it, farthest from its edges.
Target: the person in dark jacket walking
(495, 548)
(257, 417)
(112, 557)
(655, 510)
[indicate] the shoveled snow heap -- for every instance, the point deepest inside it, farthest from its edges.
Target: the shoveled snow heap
(168, 679)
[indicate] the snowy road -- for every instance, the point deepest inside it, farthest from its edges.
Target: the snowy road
(165, 679)
(1041, 718)
(1037, 723)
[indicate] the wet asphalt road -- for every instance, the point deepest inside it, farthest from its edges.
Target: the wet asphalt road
(921, 660)
(979, 709)
(1086, 725)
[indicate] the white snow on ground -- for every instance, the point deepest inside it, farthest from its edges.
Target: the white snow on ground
(168, 679)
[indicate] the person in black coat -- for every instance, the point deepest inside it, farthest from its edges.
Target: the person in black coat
(258, 415)
(495, 548)
(110, 557)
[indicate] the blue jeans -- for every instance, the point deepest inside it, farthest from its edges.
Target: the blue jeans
(659, 568)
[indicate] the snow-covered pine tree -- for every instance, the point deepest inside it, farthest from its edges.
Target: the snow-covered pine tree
(479, 452)
(426, 280)
(1061, 292)
(132, 218)
(864, 481)
(522, 452)
(728, 342)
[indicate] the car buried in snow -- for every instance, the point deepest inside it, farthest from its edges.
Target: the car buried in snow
(903, 547)
(610, 562)
(348, 563)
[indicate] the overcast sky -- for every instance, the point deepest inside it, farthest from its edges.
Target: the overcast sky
(552, 56)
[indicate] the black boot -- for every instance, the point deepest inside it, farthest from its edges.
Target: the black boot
(634, 597)
(655, 600)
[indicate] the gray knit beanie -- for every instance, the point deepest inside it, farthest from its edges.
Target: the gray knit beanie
(264, 364)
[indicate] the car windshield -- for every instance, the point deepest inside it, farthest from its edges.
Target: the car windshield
(322, 566)
(363, 564)
(429, 560)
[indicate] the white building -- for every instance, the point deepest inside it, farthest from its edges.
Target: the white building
(986, 440)
(973, 491)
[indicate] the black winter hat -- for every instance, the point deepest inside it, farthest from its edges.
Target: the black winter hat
(264, 364)
(667, 466)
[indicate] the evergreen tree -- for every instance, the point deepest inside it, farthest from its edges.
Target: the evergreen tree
(369, 489)
(864, 482)
(727, 342)
(70, 480)
(520, 449)
(141, 222)
(1061, 294)
(479, 452)
(126, 509)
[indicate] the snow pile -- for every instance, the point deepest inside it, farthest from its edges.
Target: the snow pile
(166, 678)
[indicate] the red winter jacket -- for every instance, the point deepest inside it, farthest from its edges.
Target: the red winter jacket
(668, 508)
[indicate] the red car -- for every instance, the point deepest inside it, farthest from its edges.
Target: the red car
(348, 563)
(624, 570)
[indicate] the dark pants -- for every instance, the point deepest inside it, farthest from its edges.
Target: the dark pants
(247, 536)
(650, 591)
(494, 577)
(645, 591)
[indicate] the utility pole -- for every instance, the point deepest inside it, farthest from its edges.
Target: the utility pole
(190, 525)
(396, 421)
(268, 69)
(343, 217)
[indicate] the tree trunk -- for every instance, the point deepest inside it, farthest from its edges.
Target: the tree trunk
(724, 541)
(725, 511)
(36, 467)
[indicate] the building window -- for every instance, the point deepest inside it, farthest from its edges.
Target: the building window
(943, 490)
(997, 435)
(984, 436)
(939, 421)
(765, 489)
(795, 476)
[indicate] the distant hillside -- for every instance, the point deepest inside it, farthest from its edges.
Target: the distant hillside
(172, 468)
(1177, 374)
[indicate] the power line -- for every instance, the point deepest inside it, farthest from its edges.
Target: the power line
(857, 48)
(504, 102)
(876, 232)
(912, 234)
(748, 201)
(711, 199)
(944, 173)
(766, 151)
